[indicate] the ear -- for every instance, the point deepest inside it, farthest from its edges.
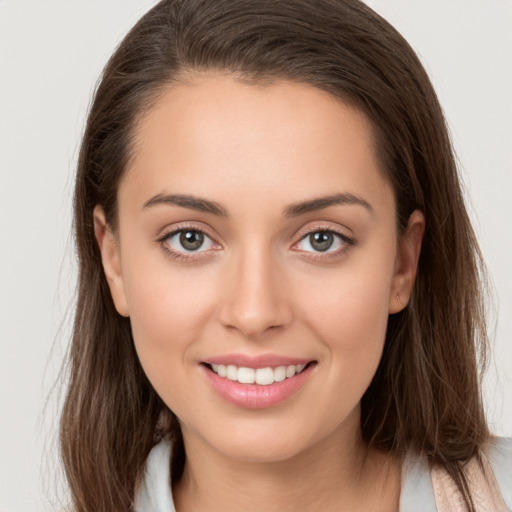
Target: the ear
(111, 259)
(406, 264)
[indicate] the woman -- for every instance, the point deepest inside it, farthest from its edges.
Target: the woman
(279, 297)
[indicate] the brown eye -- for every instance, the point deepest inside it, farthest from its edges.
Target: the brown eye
(321, 241)
(191, 240)
(324, 241)
(187, 241)
(187, 244)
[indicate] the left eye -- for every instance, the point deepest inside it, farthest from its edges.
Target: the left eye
(322, 241)
(189, 240)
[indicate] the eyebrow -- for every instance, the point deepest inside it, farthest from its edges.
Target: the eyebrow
(187, 201)
(294, 210)
(320, 203)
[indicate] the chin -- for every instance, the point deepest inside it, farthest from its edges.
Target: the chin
(263, 451)
(266, 441)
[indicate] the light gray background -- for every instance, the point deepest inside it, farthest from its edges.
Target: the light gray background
(51, 53)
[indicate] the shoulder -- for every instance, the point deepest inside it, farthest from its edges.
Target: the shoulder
(417, 492)
(426, 489)
(154, 493)
(498, 452)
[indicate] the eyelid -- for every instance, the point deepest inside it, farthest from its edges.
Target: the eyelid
(303, 233)
(327, 227)
(174, 229)
(183, 226)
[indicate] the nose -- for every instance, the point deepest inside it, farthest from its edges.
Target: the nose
(254, 301)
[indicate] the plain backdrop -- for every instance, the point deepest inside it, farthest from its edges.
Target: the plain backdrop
(51, 53)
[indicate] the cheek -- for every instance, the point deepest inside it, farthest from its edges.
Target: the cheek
(168, 311)
(352, 300)
(349, 313)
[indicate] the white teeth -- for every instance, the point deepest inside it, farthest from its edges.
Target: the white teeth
(261, 376)
(265, 376)
(232, 372)
(290, 371)
(280, 373)
(246, 375)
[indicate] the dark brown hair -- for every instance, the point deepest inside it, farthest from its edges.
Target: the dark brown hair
(426, 392)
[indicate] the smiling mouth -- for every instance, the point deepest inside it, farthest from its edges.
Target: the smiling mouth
(261, 376)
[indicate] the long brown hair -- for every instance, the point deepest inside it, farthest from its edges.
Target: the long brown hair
(426, 392)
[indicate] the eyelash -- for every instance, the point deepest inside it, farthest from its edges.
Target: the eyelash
(317, 256)
(347, 241)
(178, 255)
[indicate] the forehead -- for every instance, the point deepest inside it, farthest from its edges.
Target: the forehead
(214, 132)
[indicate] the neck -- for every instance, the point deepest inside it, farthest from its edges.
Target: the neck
(337, 474)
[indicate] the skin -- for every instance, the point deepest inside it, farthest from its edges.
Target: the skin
(258, 286)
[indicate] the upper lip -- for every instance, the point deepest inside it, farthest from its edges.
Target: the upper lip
(259, 361)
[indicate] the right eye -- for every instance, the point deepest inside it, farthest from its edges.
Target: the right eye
(187, 241)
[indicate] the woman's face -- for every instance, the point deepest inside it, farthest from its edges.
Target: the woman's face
(257, 234)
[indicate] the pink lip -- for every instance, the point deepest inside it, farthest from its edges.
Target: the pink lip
(254, 396)
(261, 361)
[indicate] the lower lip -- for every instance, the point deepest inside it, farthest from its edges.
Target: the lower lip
(255, 396)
